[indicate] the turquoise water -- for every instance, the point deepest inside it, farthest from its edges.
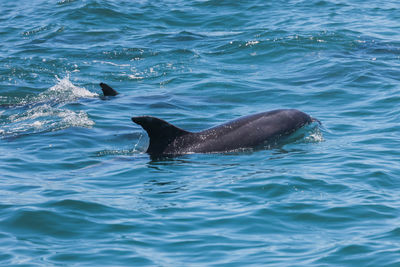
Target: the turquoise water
(77, 188)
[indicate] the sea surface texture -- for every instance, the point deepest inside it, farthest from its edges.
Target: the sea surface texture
(78, 189)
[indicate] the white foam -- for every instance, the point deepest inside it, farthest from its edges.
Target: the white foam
(135, 77)
(252, 43)
(31, 114)
(315, 136)
(75, 119)
(64, 85)
(110, 63)
(46, 118)
(45, 112)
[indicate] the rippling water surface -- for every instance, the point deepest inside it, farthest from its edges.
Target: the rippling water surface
(77, 188)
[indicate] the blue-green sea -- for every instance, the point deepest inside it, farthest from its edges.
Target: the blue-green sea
(78, 189)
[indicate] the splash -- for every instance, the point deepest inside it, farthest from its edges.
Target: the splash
(65, 90)
(118, 152)
(307, 134)
(138, 148)
(314, 136)
(46, 112)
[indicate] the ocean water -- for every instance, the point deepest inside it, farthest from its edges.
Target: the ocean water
(78, 189)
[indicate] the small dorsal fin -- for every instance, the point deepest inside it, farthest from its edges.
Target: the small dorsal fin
(160, 132)
(107, 90)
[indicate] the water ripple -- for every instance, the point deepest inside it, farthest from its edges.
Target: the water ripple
(78, 188)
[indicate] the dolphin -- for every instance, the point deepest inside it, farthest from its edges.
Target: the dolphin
(243, 133)
(246, 132)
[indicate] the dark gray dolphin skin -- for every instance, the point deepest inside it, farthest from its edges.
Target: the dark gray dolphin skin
(246, 132)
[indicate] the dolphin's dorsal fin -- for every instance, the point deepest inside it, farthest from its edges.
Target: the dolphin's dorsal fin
(107, 90)
(160, 132)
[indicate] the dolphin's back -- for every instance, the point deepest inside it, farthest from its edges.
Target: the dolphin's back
(252, 131)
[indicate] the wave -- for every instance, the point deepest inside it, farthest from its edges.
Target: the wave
(44, 112)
